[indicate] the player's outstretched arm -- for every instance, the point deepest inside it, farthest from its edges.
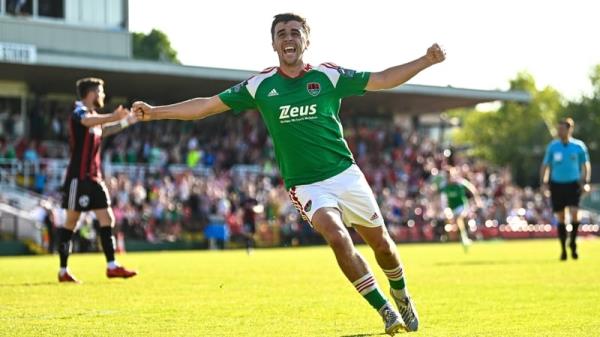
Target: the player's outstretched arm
(110, 129)
(469, 186)
(394, 76)
(195, 108)
(91, 120)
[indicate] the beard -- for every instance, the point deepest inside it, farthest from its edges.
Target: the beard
(98, 103)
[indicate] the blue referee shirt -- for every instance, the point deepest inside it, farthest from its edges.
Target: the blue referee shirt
(565, 160)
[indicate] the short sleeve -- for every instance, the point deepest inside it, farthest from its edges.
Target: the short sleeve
(78, 113)
(238, 98)
(352, 82)
(584, 156)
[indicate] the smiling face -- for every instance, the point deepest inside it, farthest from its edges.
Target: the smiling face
(290, 40)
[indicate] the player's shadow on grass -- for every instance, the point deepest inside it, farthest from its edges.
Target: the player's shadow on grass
(28, 284)
(488, 263)
(365, 335)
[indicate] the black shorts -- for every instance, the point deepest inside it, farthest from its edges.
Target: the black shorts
(85, 195)
(564, 195)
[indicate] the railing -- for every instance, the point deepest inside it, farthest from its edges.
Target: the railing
(24, 172)
(20, 225)
(16, 172)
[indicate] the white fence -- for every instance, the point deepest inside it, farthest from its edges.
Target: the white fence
(19, 225)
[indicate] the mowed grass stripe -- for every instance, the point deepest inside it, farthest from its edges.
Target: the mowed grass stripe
(516, 288)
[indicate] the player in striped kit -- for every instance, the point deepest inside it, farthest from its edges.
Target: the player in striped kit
(84, 188)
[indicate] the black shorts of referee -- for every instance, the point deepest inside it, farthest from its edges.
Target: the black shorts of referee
(564, 195)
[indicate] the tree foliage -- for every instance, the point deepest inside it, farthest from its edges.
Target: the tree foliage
(153, 46)
(586, 114)
(514, 135)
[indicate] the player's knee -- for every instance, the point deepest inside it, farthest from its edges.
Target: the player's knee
(339, 239)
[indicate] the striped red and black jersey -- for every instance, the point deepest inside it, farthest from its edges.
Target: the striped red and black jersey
(85, 146)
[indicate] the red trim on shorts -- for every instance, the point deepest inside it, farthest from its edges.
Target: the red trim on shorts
(297, 204)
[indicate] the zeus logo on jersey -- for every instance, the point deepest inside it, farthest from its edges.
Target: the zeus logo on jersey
(288, 111)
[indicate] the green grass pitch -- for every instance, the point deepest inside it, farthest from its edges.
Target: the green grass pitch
(514, 288)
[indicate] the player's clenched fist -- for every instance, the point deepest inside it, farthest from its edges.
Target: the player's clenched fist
(142, 110)
(435, 54)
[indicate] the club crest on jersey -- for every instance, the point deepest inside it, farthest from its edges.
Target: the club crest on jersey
(313, 88)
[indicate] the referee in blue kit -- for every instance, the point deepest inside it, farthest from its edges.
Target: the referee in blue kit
(568, 162)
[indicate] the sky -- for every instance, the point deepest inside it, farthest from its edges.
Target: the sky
(487, 42)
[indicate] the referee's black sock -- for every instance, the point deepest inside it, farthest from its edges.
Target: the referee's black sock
(108, 242)
(64, 245)
(562, 236)
(573, 242)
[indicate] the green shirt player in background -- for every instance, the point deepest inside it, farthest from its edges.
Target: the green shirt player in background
(299, 104)
(454, 192)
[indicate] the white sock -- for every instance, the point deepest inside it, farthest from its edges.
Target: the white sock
(400, 292)
(112, 265)
(63, 271)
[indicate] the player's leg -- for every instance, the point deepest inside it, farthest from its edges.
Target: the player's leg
(387, 257)
(360, 209)
(65, 234)
(249, 231)
(99, 202)
(462, 230)
(328, 222)
(575, 228)
(106, 218)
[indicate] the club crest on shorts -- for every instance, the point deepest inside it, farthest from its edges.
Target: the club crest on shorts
(308, 206)
(313, 88)
(84, 200)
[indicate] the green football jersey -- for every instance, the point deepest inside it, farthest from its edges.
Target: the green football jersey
(302, 117)
(456, 194)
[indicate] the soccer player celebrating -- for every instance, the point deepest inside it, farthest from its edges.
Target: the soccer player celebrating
(568, 162)
(455, 192)
(84, 189)
(299, 104)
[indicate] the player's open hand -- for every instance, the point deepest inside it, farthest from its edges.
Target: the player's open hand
(120, 112)
(435, 54)
(142, 111)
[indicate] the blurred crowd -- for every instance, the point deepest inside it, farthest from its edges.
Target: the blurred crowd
(239, 182)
